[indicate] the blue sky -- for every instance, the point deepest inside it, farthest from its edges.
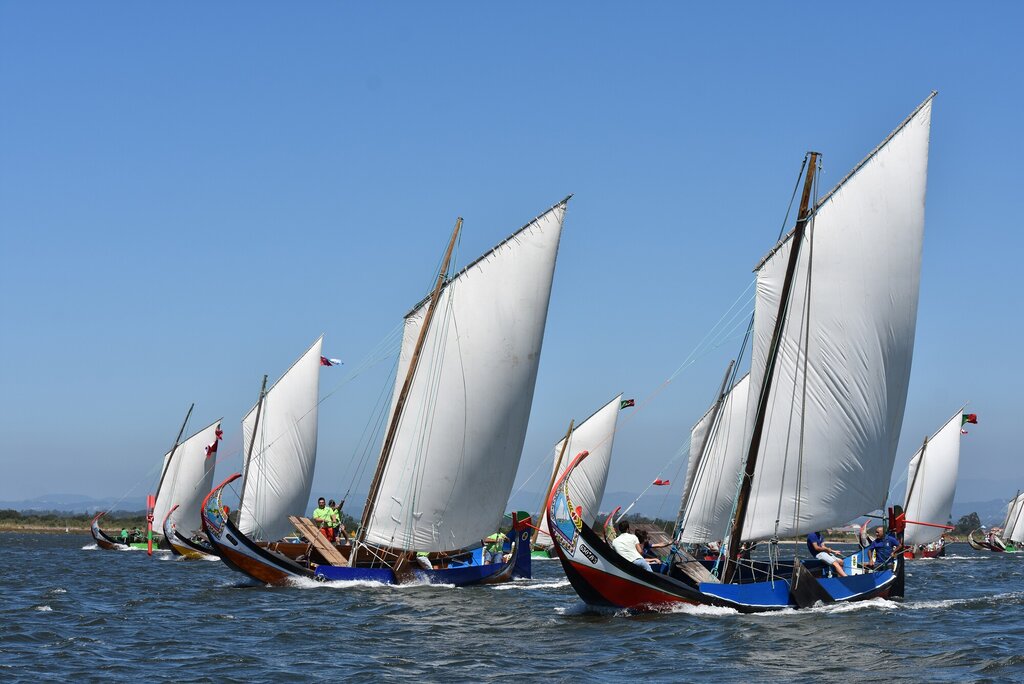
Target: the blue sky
(189, 195)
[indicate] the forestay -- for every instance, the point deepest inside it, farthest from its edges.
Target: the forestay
(712, 474)
(931, 483)
(189, 478)
(460, 436)
(595, 435)
(836, 406)
(279, 475)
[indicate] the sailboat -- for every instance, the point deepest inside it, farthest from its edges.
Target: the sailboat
(190, 477)
(931, 484)
(459, 412)
(596, 434)
(832, 342)
(185, 474)
(280, 439)
(713, 469)
(1012, 538)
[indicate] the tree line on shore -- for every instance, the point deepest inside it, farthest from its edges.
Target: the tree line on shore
(10, 518)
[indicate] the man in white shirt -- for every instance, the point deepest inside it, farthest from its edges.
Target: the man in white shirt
(628, 546)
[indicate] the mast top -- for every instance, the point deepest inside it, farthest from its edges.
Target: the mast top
(416, 307)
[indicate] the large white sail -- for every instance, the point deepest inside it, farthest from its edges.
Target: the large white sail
(188, 480)
(712, 476)
(279, 474)
(931, 483)
(586, 487)
(1013, 528)
(461, 434)
(836, 405)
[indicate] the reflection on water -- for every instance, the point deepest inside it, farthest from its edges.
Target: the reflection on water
(69, 611)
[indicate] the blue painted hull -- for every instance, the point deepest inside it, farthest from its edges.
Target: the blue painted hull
(518, 566)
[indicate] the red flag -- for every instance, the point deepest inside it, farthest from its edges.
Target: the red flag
(661, 483)
(324, 361)
(969, 418)
(212, 448)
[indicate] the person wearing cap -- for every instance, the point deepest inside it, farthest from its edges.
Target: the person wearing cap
(494, 548)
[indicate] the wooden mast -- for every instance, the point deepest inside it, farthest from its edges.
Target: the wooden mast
(252, 443)
(707, 437)
(389, 440)
(917, 471)
(773, 351)
(554, 476)
(170, 456)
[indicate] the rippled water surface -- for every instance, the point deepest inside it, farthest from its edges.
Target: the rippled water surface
(72, 612)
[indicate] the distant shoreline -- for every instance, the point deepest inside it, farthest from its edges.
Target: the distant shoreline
(49, 529)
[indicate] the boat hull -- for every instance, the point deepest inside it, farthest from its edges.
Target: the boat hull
(108, 543)
(602, 578)
(183, 546)
(985, 545)
(262, 563)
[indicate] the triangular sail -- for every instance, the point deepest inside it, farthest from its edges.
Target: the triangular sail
(712, 475)
(930, 487)
(836, 405)
(586, 487)
(1013, 528)
(461, 433)
(279, 475)
(189, 478)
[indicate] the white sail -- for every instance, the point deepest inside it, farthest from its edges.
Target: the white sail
(279, 475)
(930, 487)
(712, 482)
(188, 480)
(461, 434)
(1013, 529)
(586, 487)
(836, 405)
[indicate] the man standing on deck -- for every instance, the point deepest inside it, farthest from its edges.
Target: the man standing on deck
(816, 545)
(322, 519)
(340, 533)
(881, 547)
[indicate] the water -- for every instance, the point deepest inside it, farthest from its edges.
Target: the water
(71, 612)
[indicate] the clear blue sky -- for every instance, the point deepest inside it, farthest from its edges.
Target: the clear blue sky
(190, 194)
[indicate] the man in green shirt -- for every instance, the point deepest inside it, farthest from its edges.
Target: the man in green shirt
(494, 546)
(322, 518)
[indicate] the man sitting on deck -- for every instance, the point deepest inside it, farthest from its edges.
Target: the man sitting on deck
(816, 545)
(628, 546)
(494, 548)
